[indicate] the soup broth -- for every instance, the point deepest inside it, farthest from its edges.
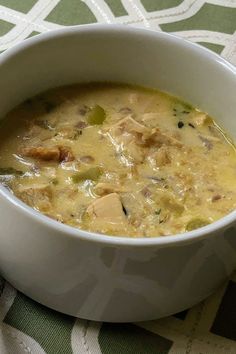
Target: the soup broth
(119, 160)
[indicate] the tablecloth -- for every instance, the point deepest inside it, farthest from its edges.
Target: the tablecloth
(209, 327)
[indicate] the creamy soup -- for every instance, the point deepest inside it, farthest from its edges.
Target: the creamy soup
(119, 160)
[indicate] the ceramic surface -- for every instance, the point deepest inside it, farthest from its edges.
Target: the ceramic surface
(94, 276)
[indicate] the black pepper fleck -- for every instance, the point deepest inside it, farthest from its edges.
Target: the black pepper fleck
(180, 124)
(124, 210)
(191, 125)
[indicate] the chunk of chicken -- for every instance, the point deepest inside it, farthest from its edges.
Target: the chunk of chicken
(107, 188)
(68, 132)
(42, 153)
(133, 139)
(108, 208)
(128, 136)
(128, 125)
(150, 119)
(55, 153)
(201, 119)
(65, 154)
(162, 156)
(38, 133)
(172, 205)
(38, 196)
(159, 138)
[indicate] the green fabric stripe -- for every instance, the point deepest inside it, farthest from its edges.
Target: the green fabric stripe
(214, 47)
(69, 13)
(125, 338)
(49, 328)
(157, 5)
(34, 33)
(116, 7)
(5, 27)
(19, 5)
(209, 17)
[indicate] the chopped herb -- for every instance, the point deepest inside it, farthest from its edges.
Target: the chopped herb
(97, 115)
(180, 124)
(10, 171)
(158, 212)
(181, 109)
(191, 125)
(55, 181)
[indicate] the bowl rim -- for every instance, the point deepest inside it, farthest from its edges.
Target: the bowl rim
(119, 241)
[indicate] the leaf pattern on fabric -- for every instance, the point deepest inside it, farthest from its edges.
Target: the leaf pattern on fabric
(187, 18)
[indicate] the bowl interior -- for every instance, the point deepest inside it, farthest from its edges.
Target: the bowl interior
(120, 54)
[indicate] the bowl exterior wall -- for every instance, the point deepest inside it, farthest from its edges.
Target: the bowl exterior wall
(109, 282)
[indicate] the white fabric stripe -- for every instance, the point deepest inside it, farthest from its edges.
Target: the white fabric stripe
(42, 8)
(92, 337)
(135, 6)
(40, 11)
(78, 341)
(185, 10)
(174, 13)
(229, 51)
(226, 3)
(26, 22)
(101, 11)
(205, 36)
(18, 342)
(84, 337)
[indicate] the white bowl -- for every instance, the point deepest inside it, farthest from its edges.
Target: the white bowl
(100, 277)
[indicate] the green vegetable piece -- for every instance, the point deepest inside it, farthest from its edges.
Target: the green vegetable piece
(196, 224)
(10, 171)
(92, 174)
(96, 116)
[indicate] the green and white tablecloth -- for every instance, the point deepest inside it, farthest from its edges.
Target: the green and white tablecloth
(208, 328)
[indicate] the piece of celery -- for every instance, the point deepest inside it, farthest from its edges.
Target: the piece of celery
(92, 174)
(196, 223)
(96, 116)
